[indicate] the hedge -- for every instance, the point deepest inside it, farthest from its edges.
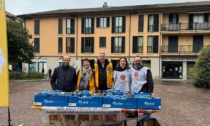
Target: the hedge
(25, 76)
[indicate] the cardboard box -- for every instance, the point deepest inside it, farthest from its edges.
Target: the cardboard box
(51, 100)
(113, 102)
(87, 101)
(149, 103)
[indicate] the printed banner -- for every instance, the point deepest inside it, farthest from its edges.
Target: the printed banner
(67, 116)
(4, 85)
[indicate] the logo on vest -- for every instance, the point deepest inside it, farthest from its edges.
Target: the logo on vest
(136, 74)
(109, 69)
(122, 77)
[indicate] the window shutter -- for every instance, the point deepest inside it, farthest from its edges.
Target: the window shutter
(92, 44)
(36, 26)
(83, 24)
(112, 45)
(107, 21)
(170, 18)
(72, 45)
(72, 26)
(113, 24)
(206, 17)
(156, 22)
(123, 44)
(82, 43)
(141, 23)
(36, 45)
(155, 44)
(135, 39)
(177, 18)
(98, 22)
(92, 25)
(60, 26)
(60, 45)
(148, 23)
(123, 24)
(190, 21)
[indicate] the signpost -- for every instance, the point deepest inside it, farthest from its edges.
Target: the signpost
(4, 79)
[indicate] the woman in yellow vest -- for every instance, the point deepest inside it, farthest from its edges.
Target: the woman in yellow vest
(85, 77)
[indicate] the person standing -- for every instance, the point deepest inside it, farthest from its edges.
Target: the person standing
(85, 77)
(64, 77)
(103, 73)
(50, 72)
(141, 76)
(122, 76)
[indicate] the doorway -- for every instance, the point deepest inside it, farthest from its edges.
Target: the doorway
(172, 70)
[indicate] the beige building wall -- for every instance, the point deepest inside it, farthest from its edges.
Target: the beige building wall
(49, 39)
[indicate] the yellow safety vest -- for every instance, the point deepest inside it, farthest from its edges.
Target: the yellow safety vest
(91, 81)
(109, 75)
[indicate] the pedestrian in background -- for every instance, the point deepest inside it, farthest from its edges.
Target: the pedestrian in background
(50, 72)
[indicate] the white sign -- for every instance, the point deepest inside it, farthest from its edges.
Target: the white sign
(2, 61)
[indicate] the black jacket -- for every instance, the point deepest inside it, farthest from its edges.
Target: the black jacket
(64, 79)
(149, 86)
(102, 75)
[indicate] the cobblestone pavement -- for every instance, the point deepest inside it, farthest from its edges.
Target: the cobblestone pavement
(182, 104)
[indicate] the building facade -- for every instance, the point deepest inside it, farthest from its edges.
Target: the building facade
(167, 36)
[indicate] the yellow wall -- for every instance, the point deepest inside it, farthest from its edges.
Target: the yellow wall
(49, 35)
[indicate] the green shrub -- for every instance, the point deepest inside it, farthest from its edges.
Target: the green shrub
(35, 75)
(201, 72)
(17, 75)
(25, 76)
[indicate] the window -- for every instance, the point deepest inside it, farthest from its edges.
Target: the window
(197, 43)
(36, 45)
(174, 22)
(153, 23)
(103, 22)
(36, 27)
(87, 25)
(60, 26)
(118, 45)
(172, 44)
(70, 45)
(141, 23)
(87, 45)
(198, 21)
(152, 44)
(102, 42)
(60, 45)
(137, 44)
(69, 26)
(118, 24)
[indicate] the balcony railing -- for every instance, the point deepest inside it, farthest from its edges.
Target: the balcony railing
(181, 49)
(185, 26)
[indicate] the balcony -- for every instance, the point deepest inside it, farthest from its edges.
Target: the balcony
(185, 27)
(181, 49)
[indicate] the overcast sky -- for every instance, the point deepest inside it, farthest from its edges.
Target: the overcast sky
(18, 7)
